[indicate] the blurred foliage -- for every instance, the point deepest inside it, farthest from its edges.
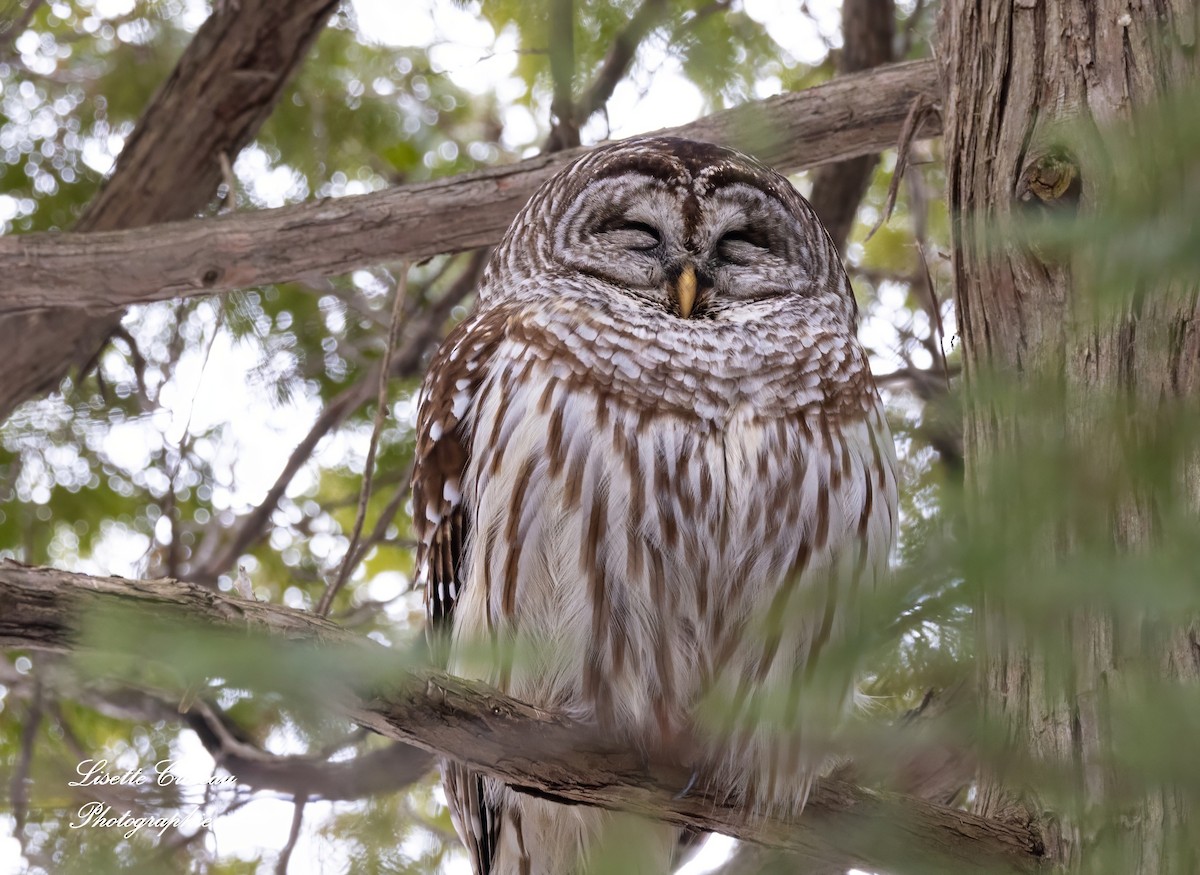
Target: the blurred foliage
(721, 49)
(151, 463)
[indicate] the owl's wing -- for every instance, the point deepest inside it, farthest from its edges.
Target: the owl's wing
(443, 450)
(442, 521)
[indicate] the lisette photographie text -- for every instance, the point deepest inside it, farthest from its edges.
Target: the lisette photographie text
(99, 815)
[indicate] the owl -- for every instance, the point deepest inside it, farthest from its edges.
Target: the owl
(653, 479)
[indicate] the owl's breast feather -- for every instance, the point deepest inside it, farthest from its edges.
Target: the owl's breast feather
(702, 370)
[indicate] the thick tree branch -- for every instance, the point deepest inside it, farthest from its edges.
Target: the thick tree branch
(867, 28)
(223, 88)
(850, 116)
(534, 750)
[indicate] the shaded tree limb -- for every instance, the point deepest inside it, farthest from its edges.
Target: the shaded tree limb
(379, 771)
(223, 88)
(849, 116)
(534, 750)
(867, 34)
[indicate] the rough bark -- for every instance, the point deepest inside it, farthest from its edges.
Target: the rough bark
(1013, 68)
(852, 115)
(534, 750)
(868, 28)
(220, 92)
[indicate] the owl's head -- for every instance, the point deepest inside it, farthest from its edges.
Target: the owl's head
(691, 230)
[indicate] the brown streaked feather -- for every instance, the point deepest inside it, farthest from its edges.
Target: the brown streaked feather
(671, 511)
(441, 522)
(442, 451)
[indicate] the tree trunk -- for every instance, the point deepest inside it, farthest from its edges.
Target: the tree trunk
(1012, 69)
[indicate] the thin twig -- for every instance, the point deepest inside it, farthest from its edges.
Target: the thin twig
(138, 362)
(369, 466)
(19, 787)
(170, 504)
(251, 526)
(918, 111)
(910, 27)
(385, 518)
(229, 201)
(935, 310)
(281, 865)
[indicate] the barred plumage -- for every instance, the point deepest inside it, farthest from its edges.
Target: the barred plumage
(655, 455)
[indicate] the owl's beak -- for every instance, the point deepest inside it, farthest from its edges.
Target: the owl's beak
(685, 291)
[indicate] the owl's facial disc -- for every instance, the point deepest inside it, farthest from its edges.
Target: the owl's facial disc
(718, 242)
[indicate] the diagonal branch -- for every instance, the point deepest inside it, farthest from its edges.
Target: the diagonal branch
(378, 771)
(251, 527)
(217, 559)
(620, 56)
(221, 90)
(534, 750)
(851, 115)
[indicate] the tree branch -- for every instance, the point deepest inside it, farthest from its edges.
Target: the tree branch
(850, 116)
(223, 88)
(867, 27)
(534, 750)
(378, 771)
(620, 56)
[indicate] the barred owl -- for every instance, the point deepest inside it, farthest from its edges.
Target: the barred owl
(653, 462)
